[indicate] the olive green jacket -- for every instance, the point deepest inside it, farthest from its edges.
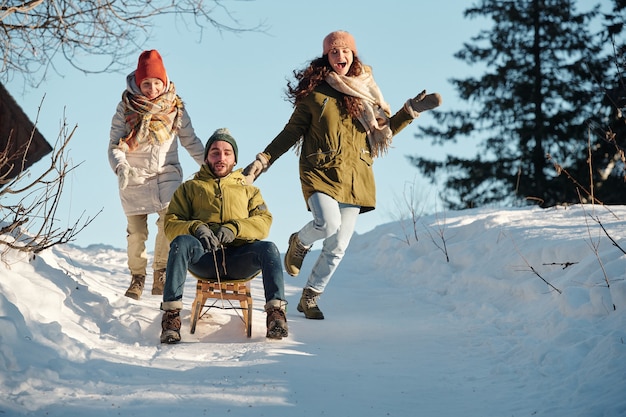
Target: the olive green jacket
(335, 157)
(227, 201)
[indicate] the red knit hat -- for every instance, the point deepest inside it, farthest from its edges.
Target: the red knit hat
(150, 65)
(339, 39)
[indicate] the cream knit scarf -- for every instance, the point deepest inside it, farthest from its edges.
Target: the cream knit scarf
(375, 111)
(150, 121)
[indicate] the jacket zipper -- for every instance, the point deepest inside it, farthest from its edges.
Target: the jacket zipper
(323, 107)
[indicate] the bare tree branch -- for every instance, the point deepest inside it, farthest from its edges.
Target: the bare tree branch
(441, 231)
(559, 169)
(597, 220)
(565, 265)
(409, 202)
(34, 33)
(28, 213)
(594, 245)
(532, 269)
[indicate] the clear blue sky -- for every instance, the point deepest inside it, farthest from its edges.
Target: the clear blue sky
(238, 81)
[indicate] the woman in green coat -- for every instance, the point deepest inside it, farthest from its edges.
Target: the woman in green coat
(340, 123)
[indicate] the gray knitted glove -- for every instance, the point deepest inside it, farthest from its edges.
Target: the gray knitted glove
(205, 235)
(423, 101)
(225, 235)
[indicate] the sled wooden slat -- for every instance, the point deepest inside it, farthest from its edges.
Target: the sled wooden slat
(223, 295)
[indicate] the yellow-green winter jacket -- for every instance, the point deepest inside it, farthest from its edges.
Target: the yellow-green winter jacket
(335, 157)
(227, 201)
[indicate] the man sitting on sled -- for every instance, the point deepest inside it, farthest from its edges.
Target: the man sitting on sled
(216, 223)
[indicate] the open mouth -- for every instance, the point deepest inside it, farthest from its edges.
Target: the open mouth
(342, 64)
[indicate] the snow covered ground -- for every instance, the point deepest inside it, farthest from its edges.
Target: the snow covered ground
(407, 333)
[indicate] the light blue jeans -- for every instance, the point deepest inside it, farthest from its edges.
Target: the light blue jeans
(334, 222)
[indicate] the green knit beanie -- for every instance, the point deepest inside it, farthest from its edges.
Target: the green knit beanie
(224, 135)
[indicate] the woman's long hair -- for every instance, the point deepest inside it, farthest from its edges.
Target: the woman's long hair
(315, 74)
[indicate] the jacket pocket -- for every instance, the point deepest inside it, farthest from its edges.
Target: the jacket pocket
(322, 159)
(366, 157)
(323, 152)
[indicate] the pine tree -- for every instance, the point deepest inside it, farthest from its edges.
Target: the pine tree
(609, 126)
(529, 109)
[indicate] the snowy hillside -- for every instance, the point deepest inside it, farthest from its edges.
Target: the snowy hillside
(407, 333)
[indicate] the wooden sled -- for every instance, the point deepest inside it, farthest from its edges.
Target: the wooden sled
(223, 295)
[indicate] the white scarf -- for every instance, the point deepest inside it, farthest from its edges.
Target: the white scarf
(375, 111)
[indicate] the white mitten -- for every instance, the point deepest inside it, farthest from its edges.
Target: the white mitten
(124, 173)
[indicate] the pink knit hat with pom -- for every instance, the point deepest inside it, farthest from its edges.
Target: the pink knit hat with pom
(339, 39)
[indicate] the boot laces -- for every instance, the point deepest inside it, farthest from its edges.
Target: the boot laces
(310, 298)
(171, 320)
(161, 276)
(275, 314)
(137, 281)
(299, 250)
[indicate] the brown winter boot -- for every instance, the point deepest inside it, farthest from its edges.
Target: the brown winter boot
(159, 282)
(308, 304)
(295, 255)
(276, 320)
(170, 327)
(135, 289)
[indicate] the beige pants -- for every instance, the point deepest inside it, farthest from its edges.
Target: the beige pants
(137, 235)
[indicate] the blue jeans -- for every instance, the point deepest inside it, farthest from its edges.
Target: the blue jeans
(334, 222)
(186, 253)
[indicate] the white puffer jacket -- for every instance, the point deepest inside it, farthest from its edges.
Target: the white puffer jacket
(157, 167)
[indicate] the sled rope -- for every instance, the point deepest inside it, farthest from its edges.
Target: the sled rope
(217, 271)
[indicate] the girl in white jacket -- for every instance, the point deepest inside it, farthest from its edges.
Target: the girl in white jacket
(143, 152)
